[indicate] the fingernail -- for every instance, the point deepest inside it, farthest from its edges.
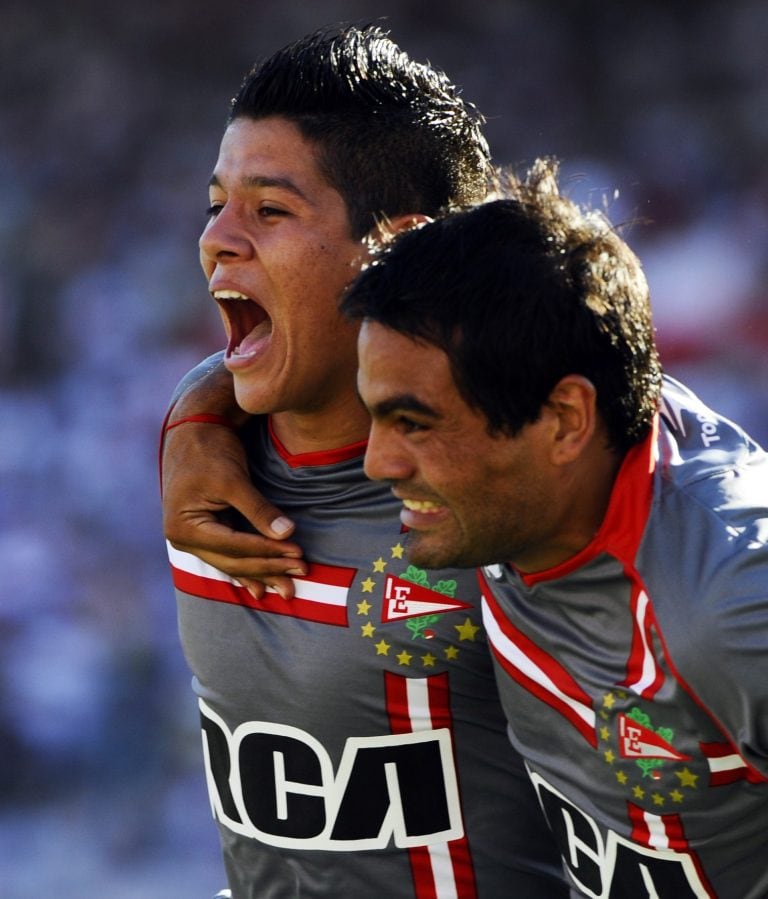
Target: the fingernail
(295, 571)
(281, 525)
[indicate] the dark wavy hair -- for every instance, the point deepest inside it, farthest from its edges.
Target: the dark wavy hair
(520, 291)
(393, 136)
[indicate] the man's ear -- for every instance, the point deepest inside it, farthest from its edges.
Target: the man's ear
(572, 407)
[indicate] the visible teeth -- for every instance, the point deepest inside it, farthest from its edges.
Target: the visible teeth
(420, 505)
(229, 295)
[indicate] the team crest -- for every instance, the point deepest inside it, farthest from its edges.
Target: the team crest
(666, 778)
(409, 601)
(412, 596)
(649, 748)
(663, 779)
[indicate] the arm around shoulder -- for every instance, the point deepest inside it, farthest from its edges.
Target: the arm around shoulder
(204, 473)
(206, 389)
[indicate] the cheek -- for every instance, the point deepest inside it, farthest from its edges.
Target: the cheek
(314, 277)
(206, 265)
(225, 321)
(339, 260)
(476, 492)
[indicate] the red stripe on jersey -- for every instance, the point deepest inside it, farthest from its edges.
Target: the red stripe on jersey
(726, 765)
(440, 701)
(418, 704)
(535, 670)
(673, 826)
(664, 833)
(308, 604)
(319, 457)
(463, 870)
(421, 871)
(750, 774)
(625, 519)
(640, 830)
(644, 676)
(660, 832)
(334, 575)
(396, 690)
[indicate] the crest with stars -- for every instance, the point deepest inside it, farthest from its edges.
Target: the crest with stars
(398, 601)
(641, 755)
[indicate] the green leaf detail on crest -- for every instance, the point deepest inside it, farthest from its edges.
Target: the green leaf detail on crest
(447, 587)
(415, 576)
(417, 625)
(648, 765)
(666, 733)
(639, 715)
(419, 576)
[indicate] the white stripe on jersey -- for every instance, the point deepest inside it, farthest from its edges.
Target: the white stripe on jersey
(309, 590)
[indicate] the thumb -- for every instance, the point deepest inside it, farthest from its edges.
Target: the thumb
(265, 518)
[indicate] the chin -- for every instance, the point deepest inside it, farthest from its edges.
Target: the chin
(425, 555)
(251, 400)
(247, 404)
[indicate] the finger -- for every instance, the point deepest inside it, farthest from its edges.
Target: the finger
(256, 588)
(284, 586)
(253, 568)
(242, 555)
(265, 518)
(197, 532)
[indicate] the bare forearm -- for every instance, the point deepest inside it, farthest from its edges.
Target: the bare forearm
(204, 472)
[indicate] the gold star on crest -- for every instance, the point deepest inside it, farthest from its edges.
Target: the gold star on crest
(467, 630)
(451, 652)
(397, 551)
(379, 565)
(367, 629)
(608, 700)
(428, 660)
(403, 658)
(687, 778)
(382, 648)
(368, 584)
(364, 607)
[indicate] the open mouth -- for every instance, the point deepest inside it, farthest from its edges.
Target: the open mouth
(248, 325)
(422, 514)
(424, 506)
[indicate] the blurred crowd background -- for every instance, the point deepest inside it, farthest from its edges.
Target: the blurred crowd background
(110, 118)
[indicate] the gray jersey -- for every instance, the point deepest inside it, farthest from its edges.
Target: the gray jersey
(353, 737)
(635, 676)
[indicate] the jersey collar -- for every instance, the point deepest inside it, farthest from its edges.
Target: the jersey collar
(321, 457)
(628, 509)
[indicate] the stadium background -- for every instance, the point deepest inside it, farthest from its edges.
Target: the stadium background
(110, 117)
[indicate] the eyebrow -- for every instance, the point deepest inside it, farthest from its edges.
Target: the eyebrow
(403, 402)
(251, 181)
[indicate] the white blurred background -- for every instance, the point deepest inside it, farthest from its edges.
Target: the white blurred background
(110, 118)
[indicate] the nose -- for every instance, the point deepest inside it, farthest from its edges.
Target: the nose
(224, 237)
(385, 458)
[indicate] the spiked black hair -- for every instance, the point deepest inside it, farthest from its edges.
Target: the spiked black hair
(393, 136)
